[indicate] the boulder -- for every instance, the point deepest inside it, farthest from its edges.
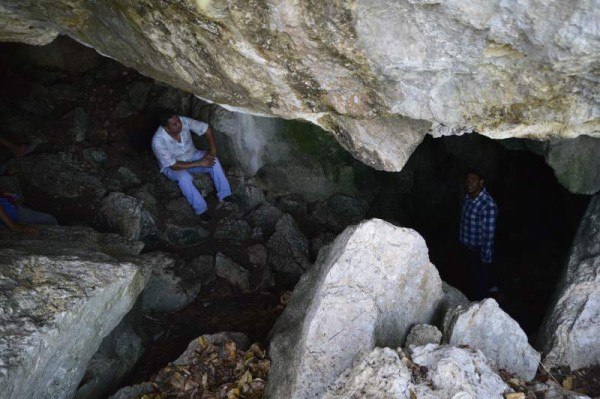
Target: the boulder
(266, 217)
(368, 288)
(288, 248)
(95, 156)
(127, 177)
(451, 373)
(233, 229)
(118, 354)
(423, 334)
(63, 291)
(576, 163)
(203, 183)
(172, 286)
(248, 196)
(570, 331)
(183, 236)
(232, 272)
(339, 212)
(126, 215)
(486, 327)
(204, 268)
(373, 375)
(458, 373)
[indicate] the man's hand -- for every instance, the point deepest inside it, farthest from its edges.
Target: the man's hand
(207, 162)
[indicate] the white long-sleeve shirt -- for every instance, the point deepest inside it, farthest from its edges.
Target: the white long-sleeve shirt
(168, 150)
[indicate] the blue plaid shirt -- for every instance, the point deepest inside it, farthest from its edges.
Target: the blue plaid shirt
(478, 224)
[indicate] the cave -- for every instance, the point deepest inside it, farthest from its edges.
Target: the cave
(298, 181)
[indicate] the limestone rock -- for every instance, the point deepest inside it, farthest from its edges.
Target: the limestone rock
(458, 373)
(204, 268)
(288, 248)
(576, 164)
(172, 285)
(528, 70)
(484, 326)
(379, 372)
(232, 272)
(118, 354)
(266, 217)
(339, 212)
(452, 373)
(248, 196)
(233, 229)
(423, 334)
(15, 28)
(203, 183)
(183, 236)
(125, 215)
(62, 292)
(95, 156)
(371, 285)
(571, 328)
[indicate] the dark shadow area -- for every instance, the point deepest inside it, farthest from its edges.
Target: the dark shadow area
(537, 219)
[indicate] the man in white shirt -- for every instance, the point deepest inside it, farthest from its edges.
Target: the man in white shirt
(178, 158)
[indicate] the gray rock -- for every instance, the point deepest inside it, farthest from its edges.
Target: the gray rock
(58, 175)
(233, 229)
(371, 285)
(232, 272)
(204, 184)
(16, 28)
(248, 196)
(95, 156)
(118, 354)
(288, 248)
(257, 255)
(484, 326)
(551, 390)
(172, 285)
(339, 212)
(78, 122)
(128, 177)
(257, 234)
(63, 291)
(145, 194)
(138, 93)
(576, 163)
(183, 236)
(376, 374)
(294, 205)
(134, 391)
(266, 217)
(423, 334)
(204, 268)
(452, 373)
(125, 215)
(458, 373)
(179, 210)
(569, 334)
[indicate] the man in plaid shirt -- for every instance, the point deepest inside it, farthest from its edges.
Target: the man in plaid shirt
(477, 230)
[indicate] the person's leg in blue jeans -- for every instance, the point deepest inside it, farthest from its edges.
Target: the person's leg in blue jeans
(186, 183)
(29, 216)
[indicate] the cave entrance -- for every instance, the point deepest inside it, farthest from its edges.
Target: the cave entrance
(536, 224)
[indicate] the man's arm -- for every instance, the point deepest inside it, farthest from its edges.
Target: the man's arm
(206, 162)
(210, 136)
(488, 231)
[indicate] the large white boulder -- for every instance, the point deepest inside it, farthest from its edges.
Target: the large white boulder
(61, 293)
(569, 334)
(484, 326)
(367, 288)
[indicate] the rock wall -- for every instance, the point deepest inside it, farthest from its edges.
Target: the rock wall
(61, 293)
(571, 329)
(378, 74)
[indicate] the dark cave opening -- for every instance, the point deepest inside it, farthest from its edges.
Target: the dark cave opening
(537, 217)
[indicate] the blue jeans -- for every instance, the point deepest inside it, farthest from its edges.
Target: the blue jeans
(186, 182)
(480, 274)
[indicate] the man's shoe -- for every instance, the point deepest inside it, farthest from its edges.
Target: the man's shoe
(227, 200)
(205, 217)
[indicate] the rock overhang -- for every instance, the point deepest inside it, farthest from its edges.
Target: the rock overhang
(378, 85)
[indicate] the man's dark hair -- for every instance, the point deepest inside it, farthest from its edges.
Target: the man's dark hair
(164, 115)
(474, 171)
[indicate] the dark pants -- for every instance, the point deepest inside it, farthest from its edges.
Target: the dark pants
(479, 273)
